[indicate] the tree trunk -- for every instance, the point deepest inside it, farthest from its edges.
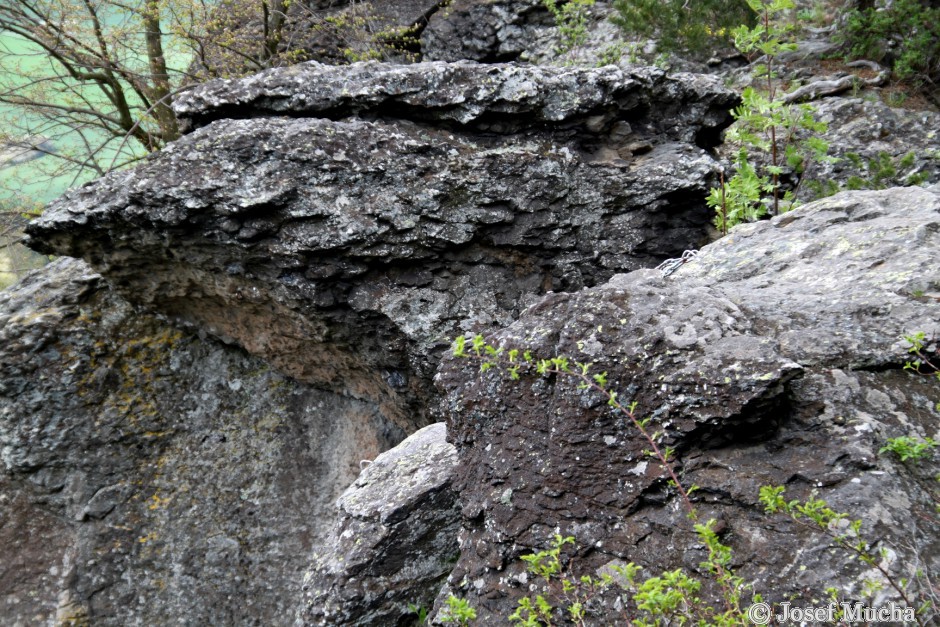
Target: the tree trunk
(275, 14)
(159, 89)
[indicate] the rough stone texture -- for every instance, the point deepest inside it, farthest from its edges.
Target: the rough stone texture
(347, 250)
(871, 130)
(501, 98)
(148, 477)
(396, 539)
(772, 358)
(485, 30)
(492, 31)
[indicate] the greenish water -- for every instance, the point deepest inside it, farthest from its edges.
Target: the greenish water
(30, 179)
(36, 178)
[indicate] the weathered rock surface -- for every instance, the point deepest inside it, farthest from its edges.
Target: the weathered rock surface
(395, 542)
(892, 146)
(148, 477)
(502, 99)
(374, 216)
(493, 31)
(773, 358)
(485, 31)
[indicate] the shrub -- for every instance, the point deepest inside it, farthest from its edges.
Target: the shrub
(904, 35)
(681, 26)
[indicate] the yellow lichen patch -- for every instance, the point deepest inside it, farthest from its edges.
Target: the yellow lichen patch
(269, 422)
(157, 434)
(157, 502)
(150, 537)
(137, 361)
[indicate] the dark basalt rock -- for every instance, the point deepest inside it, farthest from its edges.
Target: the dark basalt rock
(485, 31)
(501, 99)
(773, 358)
(148, 477)
(362, 216)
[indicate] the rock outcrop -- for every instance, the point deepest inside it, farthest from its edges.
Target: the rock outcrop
(359, 217)
(149, 477)
(773, 358)
(277, 295)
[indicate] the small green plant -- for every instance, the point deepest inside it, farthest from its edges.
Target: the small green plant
(922, 364)
(420, 612)
(910, 448)
(845, 533)
(458, 611)
(673, 597)
(764, 122)
(879, 172)
(613, 53)
(571, 20)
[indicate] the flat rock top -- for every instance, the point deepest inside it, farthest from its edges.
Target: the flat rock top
(461, 92)
(840, 279)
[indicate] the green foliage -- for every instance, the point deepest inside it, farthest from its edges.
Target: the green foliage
(364, 38)
(571, 20)
(847, 534)
(739, 199)
(879, 172)
(458, 611)
(910, 448)
(547, 563)
(904, 34)
(682, 26)
(922, 364)
(673, 597)
(420, 612)
(788, 133)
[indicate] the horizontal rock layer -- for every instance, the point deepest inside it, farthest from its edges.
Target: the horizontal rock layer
(499, 98)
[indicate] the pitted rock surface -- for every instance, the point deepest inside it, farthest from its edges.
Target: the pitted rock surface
(499, 98)
(773, 358)
(148, 477)
(346, 250)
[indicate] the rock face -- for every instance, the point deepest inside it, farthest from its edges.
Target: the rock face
(359, 217)
(773, 358)
(148, 476)
(395, 542)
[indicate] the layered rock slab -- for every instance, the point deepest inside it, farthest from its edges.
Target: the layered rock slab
(358, 217)
(395, 541)
(150, 477)
(773, 358)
